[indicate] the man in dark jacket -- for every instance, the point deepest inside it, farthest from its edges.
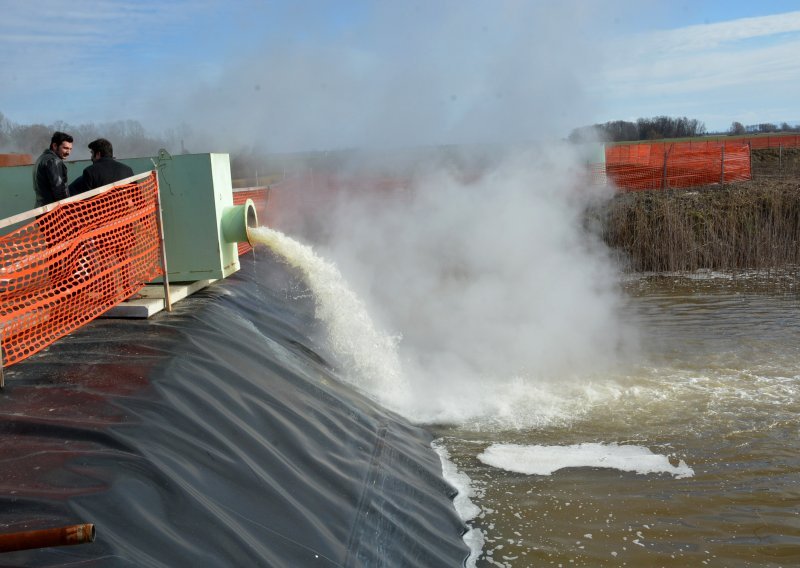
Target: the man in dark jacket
(104, 169)
(50, 171)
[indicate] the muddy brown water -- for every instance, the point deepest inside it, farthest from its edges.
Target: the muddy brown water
(717, 386)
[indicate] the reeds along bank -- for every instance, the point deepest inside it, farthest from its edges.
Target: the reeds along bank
(753, 225)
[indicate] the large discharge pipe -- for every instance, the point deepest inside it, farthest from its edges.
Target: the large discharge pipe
(236, 220)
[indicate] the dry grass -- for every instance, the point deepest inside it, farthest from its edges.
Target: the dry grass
(753, 225)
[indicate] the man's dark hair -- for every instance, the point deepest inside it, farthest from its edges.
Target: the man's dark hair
(59, 137)
(103, 147)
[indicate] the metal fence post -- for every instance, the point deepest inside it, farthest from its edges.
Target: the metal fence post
(162, 246)
(722, 165)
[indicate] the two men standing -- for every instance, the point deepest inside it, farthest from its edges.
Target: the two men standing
(50, 171)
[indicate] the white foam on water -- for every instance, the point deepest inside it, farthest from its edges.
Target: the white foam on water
(462, 502)
(545, 460)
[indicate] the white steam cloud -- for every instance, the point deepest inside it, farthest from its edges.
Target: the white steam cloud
(505, 304)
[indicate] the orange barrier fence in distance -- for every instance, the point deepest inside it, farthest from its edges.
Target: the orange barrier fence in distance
(678, 165)
(755, 142)
(75, 261)
(7, 160)
(769, 141)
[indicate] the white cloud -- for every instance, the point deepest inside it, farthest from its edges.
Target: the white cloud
(744, 65)
(61, 57)
(717, 35)
(695, 72)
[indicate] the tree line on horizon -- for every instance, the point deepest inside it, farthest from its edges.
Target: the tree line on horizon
(661, 127)
(128, 137)
(738, 128)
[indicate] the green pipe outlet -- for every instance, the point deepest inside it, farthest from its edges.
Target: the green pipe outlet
(236, 220)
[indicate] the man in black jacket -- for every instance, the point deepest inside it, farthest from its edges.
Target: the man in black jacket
(50, 171)
(104, 169)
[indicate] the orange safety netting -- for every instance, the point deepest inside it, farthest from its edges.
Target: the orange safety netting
(7, 160)
(774, 141)
(260, 196)
(757, 142)
(74, 262)
(676, 165)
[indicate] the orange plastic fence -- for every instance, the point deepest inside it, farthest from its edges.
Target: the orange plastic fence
(774, 141)
(74, 262)
(260, 196)
(15, 160)
(676, 165)
(755, 142)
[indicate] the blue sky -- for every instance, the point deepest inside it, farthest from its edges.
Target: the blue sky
(297, 75)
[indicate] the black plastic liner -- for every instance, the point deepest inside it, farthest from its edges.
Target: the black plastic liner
(217, 435)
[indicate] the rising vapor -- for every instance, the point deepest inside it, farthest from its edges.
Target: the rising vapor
(505, 302)
(398, 74)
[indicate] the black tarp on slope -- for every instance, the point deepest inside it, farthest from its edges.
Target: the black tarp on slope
(216, 436)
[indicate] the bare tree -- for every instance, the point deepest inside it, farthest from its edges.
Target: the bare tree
(128, 137)
(736, 128)
(30, 139)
